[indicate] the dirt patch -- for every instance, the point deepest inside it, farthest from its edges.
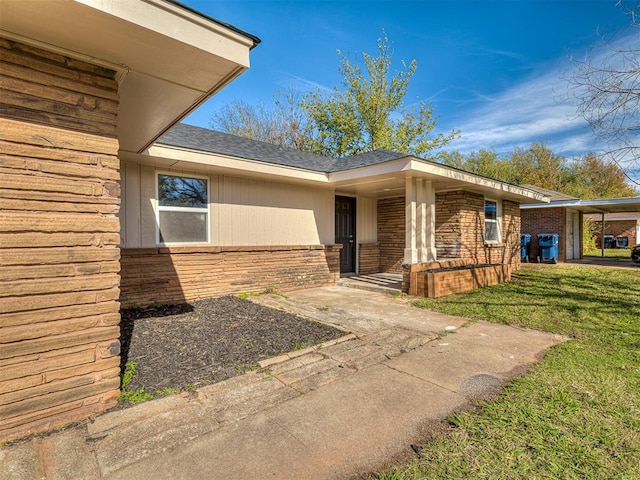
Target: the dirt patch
(191, 345)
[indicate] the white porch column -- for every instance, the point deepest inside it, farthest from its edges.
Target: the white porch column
(430, 223)
(420, 242)
(410, 250)
(421, 219)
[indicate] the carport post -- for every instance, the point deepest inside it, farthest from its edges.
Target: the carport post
(602, 237)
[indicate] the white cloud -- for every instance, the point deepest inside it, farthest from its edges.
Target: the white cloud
(536, 109)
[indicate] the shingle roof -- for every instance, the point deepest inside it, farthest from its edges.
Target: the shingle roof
(365, 159)
(203, 139)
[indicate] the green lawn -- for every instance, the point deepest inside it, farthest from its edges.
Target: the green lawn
(576, 414)
(609, 253)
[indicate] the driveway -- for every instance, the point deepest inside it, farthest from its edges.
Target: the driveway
(347, 408)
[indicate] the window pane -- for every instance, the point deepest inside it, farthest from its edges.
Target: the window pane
(491, 231)
(490, 210)
(182, 227)
(182, 191)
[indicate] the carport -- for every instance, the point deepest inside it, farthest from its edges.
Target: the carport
(572, 206)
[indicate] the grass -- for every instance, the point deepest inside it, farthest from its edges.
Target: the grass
(609, 253)
(576, 414)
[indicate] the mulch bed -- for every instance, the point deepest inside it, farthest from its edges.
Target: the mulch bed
(190, 345)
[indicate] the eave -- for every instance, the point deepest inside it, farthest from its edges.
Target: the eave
(168, 59)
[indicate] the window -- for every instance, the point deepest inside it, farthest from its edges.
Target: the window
(491, 221)
(183, 209)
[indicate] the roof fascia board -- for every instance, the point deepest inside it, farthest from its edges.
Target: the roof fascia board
(585, 205)
(176, 21)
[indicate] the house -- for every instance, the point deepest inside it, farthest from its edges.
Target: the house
(258, 215)
(625, 226)
(106, 200)
(564, 216)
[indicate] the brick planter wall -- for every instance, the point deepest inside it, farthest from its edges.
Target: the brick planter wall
(59, 261)
(368, 258)
(182, 274)
(419, 280)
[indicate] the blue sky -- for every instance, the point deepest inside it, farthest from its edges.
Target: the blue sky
(492, 69)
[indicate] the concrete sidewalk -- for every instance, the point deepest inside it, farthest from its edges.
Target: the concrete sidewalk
(344, 409)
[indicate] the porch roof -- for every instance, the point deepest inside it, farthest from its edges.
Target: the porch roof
(603, 205)
(168, 58)
(380, 173)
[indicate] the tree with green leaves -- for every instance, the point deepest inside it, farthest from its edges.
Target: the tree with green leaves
(586, 177)
(483, 162)
(368, 112)
(594, 177)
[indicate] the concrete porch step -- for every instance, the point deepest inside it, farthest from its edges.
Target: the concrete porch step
(376, 282)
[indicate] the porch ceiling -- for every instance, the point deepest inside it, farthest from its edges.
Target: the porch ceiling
(168, 59)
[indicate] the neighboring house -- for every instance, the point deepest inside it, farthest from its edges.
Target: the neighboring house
(564, 216)
(96, 212)
(618, 225)
(253, 215)
(559, 217)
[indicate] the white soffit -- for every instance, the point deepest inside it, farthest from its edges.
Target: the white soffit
(169, 59)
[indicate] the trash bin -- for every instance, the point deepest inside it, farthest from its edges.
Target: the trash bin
(622, 242)
(548, 247)
(525, 246)
(609, 241)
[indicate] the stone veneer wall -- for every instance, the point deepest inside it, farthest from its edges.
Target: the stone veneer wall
(460, 229)
(391, 234)
(459, 232)
(59, 235)
(368, 258)
(179, 274)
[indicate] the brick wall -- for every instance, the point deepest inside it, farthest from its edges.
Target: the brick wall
(368, 258)
(179, 274)
(391, 234)
(545, 220)
(617, 228)
(59, 261)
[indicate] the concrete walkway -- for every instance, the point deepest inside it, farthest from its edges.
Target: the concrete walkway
(347, 408)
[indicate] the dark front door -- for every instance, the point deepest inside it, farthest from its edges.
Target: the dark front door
(346, 232)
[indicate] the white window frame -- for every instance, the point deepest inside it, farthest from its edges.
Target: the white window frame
(498, 220)
(161, 208)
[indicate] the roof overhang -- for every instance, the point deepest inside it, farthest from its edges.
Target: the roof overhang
(388, 179)
(168, 58)
(605, 205)
(177, 158)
